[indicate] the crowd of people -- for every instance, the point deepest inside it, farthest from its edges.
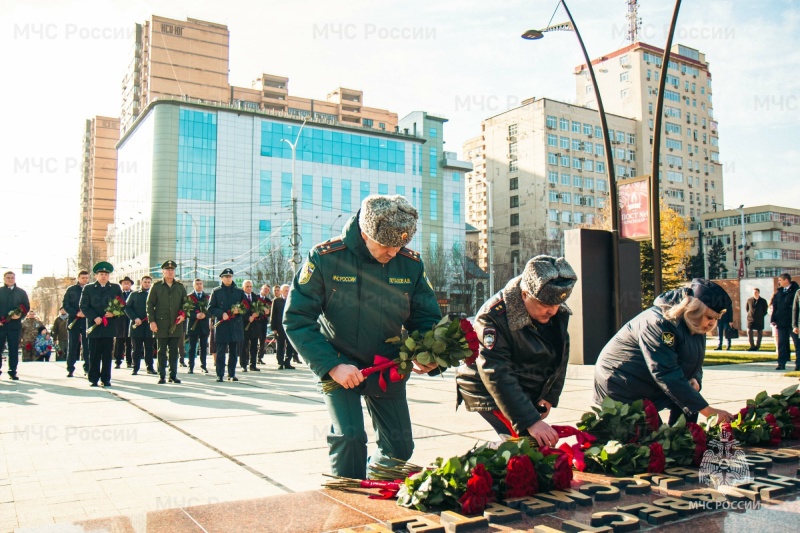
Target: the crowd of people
(354, 292)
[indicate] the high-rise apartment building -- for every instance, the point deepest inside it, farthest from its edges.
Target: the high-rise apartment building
(772, 236)
(628, 78)
(475, 191)
(98, 188)
(544, 164)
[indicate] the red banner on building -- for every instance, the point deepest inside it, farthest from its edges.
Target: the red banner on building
(634, 208)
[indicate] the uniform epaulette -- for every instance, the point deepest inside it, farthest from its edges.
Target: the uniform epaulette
(499, 307)
(408, 252)
(333, 245)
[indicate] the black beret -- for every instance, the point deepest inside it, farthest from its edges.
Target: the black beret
(712, 295)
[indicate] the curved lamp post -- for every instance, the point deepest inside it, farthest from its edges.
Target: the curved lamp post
(612, 181)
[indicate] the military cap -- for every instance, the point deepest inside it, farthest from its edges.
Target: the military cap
(126, 278)
(388, 220)
(103, 266)
(549, 279)
(168, 265)
(226, 272)
(712, 295)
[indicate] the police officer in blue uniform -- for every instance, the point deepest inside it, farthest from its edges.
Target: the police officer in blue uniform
(230, 331)
(94, 302)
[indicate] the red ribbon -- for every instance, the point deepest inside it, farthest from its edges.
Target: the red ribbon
(585, 439)
(388, 489)
(380, 364)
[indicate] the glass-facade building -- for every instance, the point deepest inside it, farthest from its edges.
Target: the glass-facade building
(215, 184)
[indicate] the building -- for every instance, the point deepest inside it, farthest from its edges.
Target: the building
(475, 191)
(98, 188)
(771, 235)
(544, 165)
(211, 186)
(628, 78)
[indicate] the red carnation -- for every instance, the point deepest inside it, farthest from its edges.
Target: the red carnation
(657, 460)
(793, 411)
(699, 438)
(521, 478)
(775, 435)
(769, 418)
(479, 491)
(651, 415)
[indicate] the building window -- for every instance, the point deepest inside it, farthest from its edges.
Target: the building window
(552, 215)
(623, 76)
(512, 130)
(432, 133)
(587, 129)
(553, 196)
(576, 127)
(552, 140)
(433, 162)
(564, 142)
(552, 159)
(264, 231)
(513, 166)
(552, 176)
(566, 198)
(514, 201)
(382, 125)
(364, 190)
(514, 238)
(327, 193)
(577, 181)
(600, 167)
(565, 161)
(368, 122)
(551, 122)
(515, 219)
(383, 188)
(565, 179)
(599, 150)
(434, 207)
(563, 124)
(400, 189)
(513, 184)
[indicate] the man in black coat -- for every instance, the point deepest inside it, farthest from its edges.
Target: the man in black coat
(262, 339)
(230, 331)
(285, 350)
(78, 342)
(122, 343)
(251, 322)
(756, 311)
(198, 327)
(14, 305)
(781, 318)
(94, 302)
(142, 337)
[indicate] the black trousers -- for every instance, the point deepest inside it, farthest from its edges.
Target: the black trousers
(193, 341)
(170, 343)
(224, 348)
(285, 350)
(784, 351)
(142, 347)
(77, 344)
(757, 344)
(262, 341)
(100, 354)
(122, 344)
(249, 352)
(10, 337)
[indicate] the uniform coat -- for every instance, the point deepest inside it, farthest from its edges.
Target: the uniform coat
(11, 299)
(222, 298)
(653, 357)
(163, 304)
(254, 332)
(93, 303)
(520, 363)
(124, 323)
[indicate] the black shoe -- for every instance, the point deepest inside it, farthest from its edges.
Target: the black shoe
(183, 364)
(162, 381)
(254, 369)
(234, 378)
(244, 369)
(780, 367)
(135, 373)
(151, 371)
(117, 365)
(127, 365)
(13, 377)
(69, 375)
(174, 380)
(260, 361)
(296, 360)
(718, 347)
(191, 371)
(107, 384)
(204, 369)
(280, 367)
(288, 367)
(93, 385)
(219, 380)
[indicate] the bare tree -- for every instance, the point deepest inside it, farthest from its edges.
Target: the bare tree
(463, 268)
(532, 242)
(436, 269)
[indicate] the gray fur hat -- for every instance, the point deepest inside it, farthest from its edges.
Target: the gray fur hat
(549, 279)
(388, 220)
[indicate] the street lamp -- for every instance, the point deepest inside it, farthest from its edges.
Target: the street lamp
(194, 225)
(612, 181)
(295, 234)
(743, 264)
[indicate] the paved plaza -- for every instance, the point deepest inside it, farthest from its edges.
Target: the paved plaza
(76, 454)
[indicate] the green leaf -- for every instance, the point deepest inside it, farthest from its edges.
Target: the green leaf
(681, 423)
(411, 343)
(443, 321)
(761, 396)
(424, 358)
(608, 403)
(452, 466)
(439, 346)
(789, 391)
(442, 362)
(624, 410)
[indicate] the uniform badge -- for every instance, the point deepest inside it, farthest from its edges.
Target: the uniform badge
(668, 338)
(489, 336)
(306, 273)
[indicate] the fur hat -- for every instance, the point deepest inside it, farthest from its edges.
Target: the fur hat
(388, 220)
(549, 279)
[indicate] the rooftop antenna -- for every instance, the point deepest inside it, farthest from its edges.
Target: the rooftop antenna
(634, 21)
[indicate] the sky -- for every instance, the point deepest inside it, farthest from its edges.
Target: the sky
(64, 60)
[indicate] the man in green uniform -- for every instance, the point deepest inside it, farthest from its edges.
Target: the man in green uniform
(94, 304)
(164, 305)
(352, 294)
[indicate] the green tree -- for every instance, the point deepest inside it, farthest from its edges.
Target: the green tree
(716, 267)
(695, 267)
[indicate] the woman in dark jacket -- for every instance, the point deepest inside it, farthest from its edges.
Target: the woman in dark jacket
(520, 372)
(659, 354)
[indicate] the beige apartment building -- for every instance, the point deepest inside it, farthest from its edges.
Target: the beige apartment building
(98, 188)
(628, 78)
(772, 240)
(543, 164)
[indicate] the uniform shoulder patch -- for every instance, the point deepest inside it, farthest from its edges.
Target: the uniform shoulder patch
(489, 337)
(408, 252)
(333, 245)
(306, 273)
(499, 307)
(668, 338)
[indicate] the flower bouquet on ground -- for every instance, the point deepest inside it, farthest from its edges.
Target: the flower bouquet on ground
(447, 344)
(258, 308)
(189, 307)
(17, 311)
(115, 307)
(236, 309)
